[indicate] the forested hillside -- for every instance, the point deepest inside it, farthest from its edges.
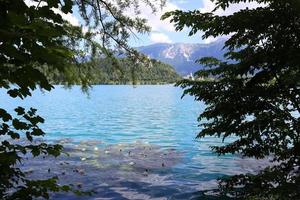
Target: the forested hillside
(120, 71)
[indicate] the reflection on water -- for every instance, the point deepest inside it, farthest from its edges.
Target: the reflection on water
(129, 143)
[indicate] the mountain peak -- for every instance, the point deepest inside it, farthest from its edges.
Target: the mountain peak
(182, 56)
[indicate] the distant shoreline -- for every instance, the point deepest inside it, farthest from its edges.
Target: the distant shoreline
(165, 84)
(121, 84)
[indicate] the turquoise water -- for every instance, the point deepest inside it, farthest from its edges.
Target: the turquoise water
(148, 115)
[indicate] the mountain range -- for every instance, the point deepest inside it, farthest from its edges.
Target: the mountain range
(182, 56)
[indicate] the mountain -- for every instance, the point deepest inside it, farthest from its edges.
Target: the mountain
(182, 56)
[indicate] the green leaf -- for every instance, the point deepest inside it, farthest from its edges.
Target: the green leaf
(20, 110)
(4, 115)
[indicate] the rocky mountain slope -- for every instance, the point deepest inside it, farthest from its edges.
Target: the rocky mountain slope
(182, 56)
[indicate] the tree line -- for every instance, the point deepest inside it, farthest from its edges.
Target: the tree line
(117, 71)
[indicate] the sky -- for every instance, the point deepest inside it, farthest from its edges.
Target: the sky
(164, 31)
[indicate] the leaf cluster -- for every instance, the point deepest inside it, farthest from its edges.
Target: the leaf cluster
(12, 152)
(253, 96)
(37, 40)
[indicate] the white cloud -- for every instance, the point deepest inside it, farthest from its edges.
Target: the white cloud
(34, 3)
(208, 6)
(214, 39)
(157, 24)
(210, 40)
(182, 2)
(159, 38)
(68, 17)
(153, 19)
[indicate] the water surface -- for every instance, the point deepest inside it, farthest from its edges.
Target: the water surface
(143, 141)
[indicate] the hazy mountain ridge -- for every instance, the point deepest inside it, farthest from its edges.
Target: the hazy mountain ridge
(182, 56)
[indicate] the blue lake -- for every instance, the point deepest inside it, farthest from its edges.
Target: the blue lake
(145, 116)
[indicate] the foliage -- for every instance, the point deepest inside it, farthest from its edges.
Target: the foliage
(254, 94)
(35, 34)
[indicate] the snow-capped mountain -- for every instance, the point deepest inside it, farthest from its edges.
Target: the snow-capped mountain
(182, 56)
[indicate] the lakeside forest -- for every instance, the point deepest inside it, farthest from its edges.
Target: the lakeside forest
(250, 100)
(119, 71)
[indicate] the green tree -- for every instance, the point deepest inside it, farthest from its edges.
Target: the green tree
(252, 95)
(34, 34)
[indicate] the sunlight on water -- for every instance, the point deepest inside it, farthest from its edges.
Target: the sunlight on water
(129, 143)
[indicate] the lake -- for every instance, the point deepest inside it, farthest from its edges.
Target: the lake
(129, 142)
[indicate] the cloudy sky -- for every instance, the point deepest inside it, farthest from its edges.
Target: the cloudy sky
(163, 31)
